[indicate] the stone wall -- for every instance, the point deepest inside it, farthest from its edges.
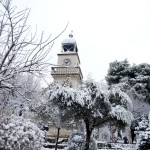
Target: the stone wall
(64, 132)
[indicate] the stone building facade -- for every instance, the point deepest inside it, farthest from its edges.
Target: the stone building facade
(67, 72)
(68, 69)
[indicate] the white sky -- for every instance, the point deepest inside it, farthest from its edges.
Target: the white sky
(105, 30)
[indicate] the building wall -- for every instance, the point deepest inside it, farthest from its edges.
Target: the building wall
(66, 74)
(75, 62)
(64, 132)
(73, 79)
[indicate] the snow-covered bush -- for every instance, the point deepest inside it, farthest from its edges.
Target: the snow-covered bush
(17, 133)
(93, 144)
(77, 140)
(144, 140)
(143, 134)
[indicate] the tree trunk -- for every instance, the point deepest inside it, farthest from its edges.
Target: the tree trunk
(56, 146)
(113, 134)
(88, 134)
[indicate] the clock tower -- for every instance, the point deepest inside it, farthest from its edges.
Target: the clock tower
(68, 71)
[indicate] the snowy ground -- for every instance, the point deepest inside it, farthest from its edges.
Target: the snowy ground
(98, 149)
(117, 147)
(114, 146)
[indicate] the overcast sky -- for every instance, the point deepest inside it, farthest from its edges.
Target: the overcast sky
(105, 30)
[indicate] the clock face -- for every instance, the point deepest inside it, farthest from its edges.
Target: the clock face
(67, 62)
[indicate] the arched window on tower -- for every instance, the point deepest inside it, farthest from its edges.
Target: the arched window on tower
(68, 47)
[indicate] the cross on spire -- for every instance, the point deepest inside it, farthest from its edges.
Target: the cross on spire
(71, 34)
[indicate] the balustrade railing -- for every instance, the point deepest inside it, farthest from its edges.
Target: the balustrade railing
(60, 70)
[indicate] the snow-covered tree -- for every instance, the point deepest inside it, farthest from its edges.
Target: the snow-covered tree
(17, 133)
(76, 140)
(47, 112)
(143, 133)
(117, 71)
(136, 80)
(137, 77)
(139, 106)
(94, 104)
(59, 118)
(20, 50)
(23, 96)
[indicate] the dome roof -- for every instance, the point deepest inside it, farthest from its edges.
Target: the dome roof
(69, 44)
(69, 40)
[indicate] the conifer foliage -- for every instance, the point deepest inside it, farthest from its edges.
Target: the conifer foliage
(136, 78)
(117, 71)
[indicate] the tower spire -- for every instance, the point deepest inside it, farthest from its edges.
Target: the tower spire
(71, 34)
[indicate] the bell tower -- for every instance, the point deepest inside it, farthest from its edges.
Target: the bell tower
(68, 71)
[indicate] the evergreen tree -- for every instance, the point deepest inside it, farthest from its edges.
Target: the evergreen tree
(141, 81)
(136, 81)
(137, 77)
(117, 71)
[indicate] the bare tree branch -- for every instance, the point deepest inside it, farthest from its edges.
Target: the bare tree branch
(21, 51)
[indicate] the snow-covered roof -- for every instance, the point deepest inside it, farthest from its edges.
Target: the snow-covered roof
(69, 40)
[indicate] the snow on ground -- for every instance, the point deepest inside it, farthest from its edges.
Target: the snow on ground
(117, 146)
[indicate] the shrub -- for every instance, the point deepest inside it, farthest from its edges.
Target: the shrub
(17, 133)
